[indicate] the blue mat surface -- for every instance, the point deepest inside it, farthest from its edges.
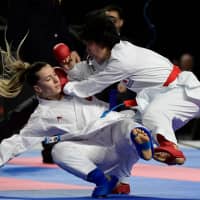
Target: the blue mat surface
(21, 178)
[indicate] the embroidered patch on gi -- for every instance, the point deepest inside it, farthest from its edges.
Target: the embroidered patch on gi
(59, 118)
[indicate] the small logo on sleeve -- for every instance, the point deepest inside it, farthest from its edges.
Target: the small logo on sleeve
(59, 118)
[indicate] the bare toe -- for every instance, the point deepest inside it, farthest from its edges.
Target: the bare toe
(141, 139)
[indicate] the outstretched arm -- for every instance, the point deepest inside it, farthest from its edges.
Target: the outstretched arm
(95, 83)
(15, 145)
(28, 137)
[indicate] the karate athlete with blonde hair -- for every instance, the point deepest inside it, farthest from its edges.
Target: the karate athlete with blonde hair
(101, 150)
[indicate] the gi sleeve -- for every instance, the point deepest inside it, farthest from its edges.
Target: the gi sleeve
(28, 137)
(95, 83)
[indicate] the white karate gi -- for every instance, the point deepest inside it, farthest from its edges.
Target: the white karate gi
(81, 71)
(145, 71)
(91, 141)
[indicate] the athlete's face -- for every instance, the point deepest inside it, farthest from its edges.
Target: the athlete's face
(48, 85)
(96, 51)
(115, 18)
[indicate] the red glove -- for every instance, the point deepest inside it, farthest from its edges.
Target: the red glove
(130, 103)
(62, 76)
(61, 51)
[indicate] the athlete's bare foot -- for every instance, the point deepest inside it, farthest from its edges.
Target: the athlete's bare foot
(140, 137)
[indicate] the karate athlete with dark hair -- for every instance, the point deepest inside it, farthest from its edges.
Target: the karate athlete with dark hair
(166, 97)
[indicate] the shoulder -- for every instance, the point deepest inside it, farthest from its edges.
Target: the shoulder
(40, 111)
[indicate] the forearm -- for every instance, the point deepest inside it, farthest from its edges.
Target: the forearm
(15, 145)
(94, 84)
(76, 89)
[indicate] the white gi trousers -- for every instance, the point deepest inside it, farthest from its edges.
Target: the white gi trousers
(112, 151)
(166, 109)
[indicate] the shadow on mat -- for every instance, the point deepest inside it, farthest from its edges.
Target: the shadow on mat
(113, 197)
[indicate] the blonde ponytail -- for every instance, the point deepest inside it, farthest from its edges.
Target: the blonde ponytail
(13, 70)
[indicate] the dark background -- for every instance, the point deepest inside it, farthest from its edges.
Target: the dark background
(169, 27)
(175, 22)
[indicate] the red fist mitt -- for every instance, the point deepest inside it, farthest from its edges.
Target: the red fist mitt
(62, 76)
(61, 51)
